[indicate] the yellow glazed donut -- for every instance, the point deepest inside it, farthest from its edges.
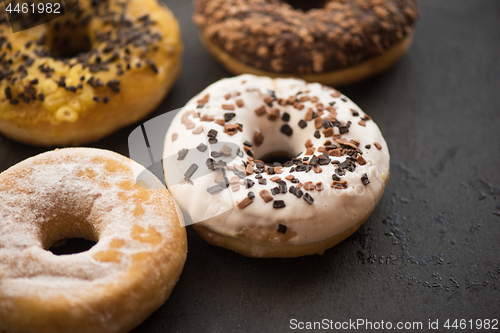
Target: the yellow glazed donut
(92, 194)
(239, 196)
(76, 79)
(328, 41)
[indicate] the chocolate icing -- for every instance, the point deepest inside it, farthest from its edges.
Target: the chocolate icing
(272, 35)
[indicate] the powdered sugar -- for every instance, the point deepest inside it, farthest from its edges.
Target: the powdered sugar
(78, 192)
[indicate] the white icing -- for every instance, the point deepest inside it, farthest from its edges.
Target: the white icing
(333, 210)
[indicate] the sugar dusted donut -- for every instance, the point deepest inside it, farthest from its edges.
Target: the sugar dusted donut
(91, 194)
(337, 167)
(75, 79)
(328, 41)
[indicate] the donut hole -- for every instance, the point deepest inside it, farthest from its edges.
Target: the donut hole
(64, 232)
(277, 149)
(306, 5)
(68, 38)
(280, 157)
(71, 246)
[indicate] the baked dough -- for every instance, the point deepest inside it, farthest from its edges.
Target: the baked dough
(335, 173)
(100, 196)
(75, 79)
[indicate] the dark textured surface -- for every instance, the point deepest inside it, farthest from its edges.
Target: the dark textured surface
(431, 248)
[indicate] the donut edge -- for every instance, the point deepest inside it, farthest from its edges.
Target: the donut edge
(249, 249)
(337, 78)
(42, 134)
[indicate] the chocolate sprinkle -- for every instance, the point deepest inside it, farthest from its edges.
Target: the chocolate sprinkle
(224, 183)
(258, 138)
(324, 161)
(226, 150)
(212, 133)
(302, 123)
(287, 130)
(190, 171)
(210, 163)
(275, 190)
(248, 183)
(8, 93)
(295, 191)
(308, 198)
(215, 154)
(282, 229)
(317, 135)
(266, 196)
(278, 204)
(340, 185)
(182, 154)
(214, 189)
(202, 147)
(260, 111)
(327, 124)
(343, 129)
(244, 203)
(282, 186)
(365, 180)
(229, 116)
(285, 117)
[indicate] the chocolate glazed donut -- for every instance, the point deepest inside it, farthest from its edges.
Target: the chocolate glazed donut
(334, 42)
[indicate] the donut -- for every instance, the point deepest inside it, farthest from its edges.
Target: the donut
(96, 195)
(289, 168)
(75, 79)
(328, 41)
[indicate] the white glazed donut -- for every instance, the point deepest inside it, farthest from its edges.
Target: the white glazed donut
(92, 194)
(304, 207)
